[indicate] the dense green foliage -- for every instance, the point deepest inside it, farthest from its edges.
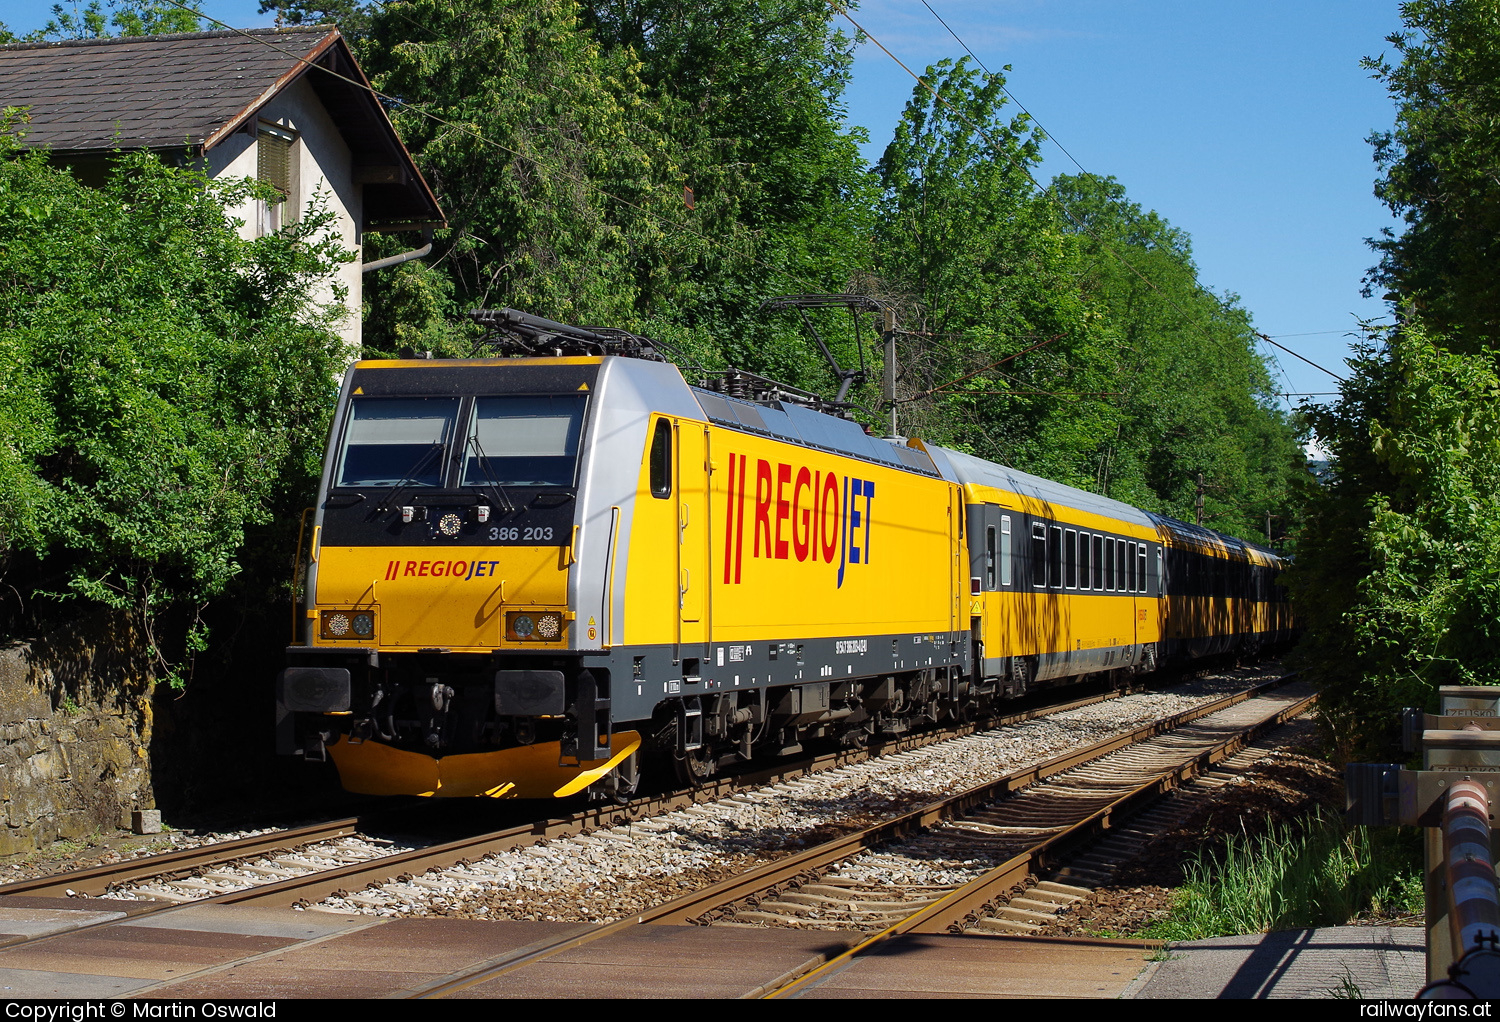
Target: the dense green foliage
(1404, 553)
(658, 166)
(1438, 167)
(993, 267)
(1399, 577)
(164, 385)
(126, 17)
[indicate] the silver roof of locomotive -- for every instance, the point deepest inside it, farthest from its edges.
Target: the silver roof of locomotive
(807, 428)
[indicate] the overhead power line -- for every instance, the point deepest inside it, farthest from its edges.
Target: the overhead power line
(1309, 361)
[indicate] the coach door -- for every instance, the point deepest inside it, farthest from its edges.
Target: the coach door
(692, 535)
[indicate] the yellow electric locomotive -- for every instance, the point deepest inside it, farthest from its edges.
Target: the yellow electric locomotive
(527, 573)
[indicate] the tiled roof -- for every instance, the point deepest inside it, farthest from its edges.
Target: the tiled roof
(147, 91)
(195, 89)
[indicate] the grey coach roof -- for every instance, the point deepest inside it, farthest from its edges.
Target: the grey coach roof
(191, 91)
(974, 470)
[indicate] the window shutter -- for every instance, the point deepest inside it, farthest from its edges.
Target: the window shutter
(274, 162)
(273, 165)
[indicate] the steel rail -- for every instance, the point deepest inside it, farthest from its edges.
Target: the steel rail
(96, 880)
(316, 886)
(694, 904)
(954, 908)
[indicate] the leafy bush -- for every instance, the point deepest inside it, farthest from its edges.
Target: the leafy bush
(1397, 582)
(164, 384)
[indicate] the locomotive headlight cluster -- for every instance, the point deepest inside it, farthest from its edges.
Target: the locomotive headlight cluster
(347, 624)
(535, 626)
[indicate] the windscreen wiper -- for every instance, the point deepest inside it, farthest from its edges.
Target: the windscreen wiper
(411, 473)
(496, 490)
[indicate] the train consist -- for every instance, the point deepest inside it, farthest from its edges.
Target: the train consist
(529, 575)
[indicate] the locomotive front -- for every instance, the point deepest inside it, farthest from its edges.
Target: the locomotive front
(440, 645)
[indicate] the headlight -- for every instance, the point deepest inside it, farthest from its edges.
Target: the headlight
(536, 626)
(347, 624)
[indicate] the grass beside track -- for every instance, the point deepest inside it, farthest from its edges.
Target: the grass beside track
(1314, 871)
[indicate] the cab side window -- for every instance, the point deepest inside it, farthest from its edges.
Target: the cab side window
(661, 459)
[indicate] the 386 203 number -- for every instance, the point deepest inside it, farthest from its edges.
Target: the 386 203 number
(513, 534)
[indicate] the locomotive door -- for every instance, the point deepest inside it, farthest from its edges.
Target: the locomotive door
(692, 535)
(958, 621)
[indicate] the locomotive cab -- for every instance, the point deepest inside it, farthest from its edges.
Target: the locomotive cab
(440, 633)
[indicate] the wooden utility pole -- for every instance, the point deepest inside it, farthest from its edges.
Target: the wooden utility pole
(1199, 502)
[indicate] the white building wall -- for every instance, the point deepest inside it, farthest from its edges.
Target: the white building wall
(321, 163)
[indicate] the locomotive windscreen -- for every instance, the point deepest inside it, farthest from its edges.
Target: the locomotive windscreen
(395, 440)
(524, 440)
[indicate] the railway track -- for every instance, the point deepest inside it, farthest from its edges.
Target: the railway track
(305, 864)
(1175, 750)
(466, 860)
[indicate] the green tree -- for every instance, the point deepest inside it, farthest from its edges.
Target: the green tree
(1057, 327)
(543, 151)
(130, 18)
(1438, 165)
(1398, 567)
(974, 257)
(1398, 576)
(1158, 327)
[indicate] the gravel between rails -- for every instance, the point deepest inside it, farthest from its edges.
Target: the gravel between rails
(260, 870)
(616, 871)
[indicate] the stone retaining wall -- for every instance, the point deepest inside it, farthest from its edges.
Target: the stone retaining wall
(75, 729)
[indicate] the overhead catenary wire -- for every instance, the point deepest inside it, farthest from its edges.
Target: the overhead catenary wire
(976, 372)
(1304, 358)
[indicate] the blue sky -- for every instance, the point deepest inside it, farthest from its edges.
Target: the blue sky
(1241, 122)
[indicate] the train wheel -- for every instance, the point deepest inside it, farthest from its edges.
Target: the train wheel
(696, 766)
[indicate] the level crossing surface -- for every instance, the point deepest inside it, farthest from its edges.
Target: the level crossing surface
(98, 948)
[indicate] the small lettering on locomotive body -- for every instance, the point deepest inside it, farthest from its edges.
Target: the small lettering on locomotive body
(464, 570)
(843, 646)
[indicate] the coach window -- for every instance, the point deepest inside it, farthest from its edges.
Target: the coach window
(1098, 562)
(1120, 579)
(1039, 555)
(1130, 582)
(989, 557)
(1083, 560)
(1141, 568)
(1070, 560)
(1109, 564)
(1005, 550)
(661, 459)
(1054, 557)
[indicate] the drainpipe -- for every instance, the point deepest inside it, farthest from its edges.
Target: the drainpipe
(403, 257)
